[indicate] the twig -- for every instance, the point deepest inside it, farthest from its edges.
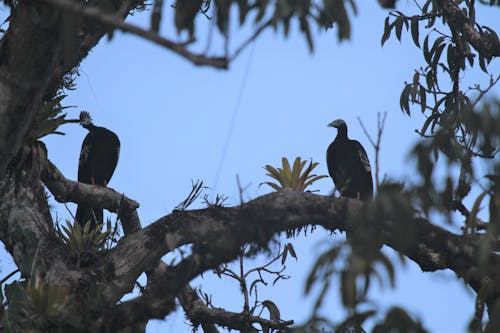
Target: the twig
(250, 39)
(482, 92)
(241, 189)
(9, 276)
(376, 145)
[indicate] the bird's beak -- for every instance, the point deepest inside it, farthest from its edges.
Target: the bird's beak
(330, 125)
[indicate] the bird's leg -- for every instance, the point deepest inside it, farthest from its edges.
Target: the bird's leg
(358, 195)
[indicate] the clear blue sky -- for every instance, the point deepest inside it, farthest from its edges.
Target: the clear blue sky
(173, 118)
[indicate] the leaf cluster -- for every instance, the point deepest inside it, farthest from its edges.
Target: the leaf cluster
(32, 304)
(292, 178)
(82, 241)
(49, 118)
(355, 269)
(324, 14)
(449, 111)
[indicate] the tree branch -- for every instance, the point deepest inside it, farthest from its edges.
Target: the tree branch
(114, 21)
(65, 190)
(257, 222)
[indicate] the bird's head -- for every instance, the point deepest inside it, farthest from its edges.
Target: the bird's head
(337, 123)
(85, 119)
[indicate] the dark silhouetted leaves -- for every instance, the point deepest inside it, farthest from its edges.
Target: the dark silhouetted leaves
(156, 15)
(414, 30)
(185, 13)
(398, 321)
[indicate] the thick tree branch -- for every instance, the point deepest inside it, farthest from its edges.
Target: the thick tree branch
(65, 190)
(27, 232)
(257, 222)
(193, 305)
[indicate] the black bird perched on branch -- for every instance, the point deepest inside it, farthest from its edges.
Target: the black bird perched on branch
(98, 159)
(348, 165)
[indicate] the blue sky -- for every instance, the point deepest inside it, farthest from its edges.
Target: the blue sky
(173, 118)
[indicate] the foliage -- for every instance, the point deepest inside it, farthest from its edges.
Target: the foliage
(292, 178)
(45, 300)
(50, 117)
(397, 320)
(82, 241)
(34, 303)
(323, 14)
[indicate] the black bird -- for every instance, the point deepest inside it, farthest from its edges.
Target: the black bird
(348, 165)
(98, 159)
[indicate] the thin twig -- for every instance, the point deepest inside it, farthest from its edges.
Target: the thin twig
(376, 144)
(482, 92)
(241, 189)
(256, 34)
(8, 276)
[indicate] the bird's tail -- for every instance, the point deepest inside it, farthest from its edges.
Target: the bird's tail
(86, 213)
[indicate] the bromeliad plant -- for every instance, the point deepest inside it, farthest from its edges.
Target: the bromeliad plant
(49, 118)
(82, 240)
(294, 178)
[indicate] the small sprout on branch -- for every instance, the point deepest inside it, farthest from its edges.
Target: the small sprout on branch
(292, 178)
(217, 202)
(196, 190)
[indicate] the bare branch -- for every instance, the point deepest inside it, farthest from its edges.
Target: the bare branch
(256, 222)
(376, 144)
(251, 39)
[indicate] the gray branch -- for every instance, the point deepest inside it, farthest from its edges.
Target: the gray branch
(257, 222)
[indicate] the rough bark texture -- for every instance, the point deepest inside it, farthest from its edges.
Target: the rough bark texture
(459, 23)
(256, 223)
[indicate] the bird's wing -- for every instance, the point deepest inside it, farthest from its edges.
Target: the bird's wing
(363, 157)
(336, 168)
(113, 159)
(83, 161)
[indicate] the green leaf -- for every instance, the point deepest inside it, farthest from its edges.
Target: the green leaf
(185, 13)
(414, 30)
(471, 220)
(427, 54)
(387, 31)
(243, 10)
(437, 54)
(482, 64)
(348, 289)
(423, 98)
(156, 15)
(399, 27)
(304, 27)
(404, 103)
